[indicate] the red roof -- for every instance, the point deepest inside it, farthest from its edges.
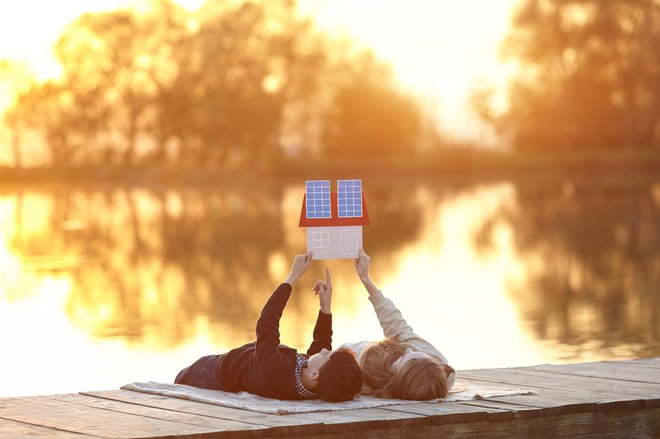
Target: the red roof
(334, 219)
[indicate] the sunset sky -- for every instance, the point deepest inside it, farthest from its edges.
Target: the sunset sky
(439, 48)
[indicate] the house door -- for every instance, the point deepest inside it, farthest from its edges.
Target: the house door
(348, 242)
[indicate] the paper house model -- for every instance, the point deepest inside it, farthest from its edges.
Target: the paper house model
(334, 220)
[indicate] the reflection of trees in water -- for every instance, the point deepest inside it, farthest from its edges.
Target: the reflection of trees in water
(169, 264)
(596, 263)
(394, 219)
(166, 266)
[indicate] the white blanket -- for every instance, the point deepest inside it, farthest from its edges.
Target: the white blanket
(461, 391)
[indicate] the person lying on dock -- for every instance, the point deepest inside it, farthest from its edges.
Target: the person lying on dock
(269, 369)
(403, 365)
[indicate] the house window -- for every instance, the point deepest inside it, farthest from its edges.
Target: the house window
(320, 239)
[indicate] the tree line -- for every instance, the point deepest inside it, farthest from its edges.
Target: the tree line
(588, 76)
(234, 84)
(246, 84)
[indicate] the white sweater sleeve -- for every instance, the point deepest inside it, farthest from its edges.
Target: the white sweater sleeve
(357, 348)
(396, 328)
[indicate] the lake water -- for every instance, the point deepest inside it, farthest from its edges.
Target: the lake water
(101, 287)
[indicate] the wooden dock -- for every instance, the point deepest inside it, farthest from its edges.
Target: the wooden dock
(587, 400)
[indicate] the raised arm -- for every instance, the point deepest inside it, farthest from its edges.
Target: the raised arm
(323, 328)
(390, 318)
(268, 324)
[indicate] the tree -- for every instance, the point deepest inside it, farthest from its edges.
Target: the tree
(121, 69)
(261, 74)
(233, 85)
(14, 80)
(233, 114)
(588, 77)
(368, 116)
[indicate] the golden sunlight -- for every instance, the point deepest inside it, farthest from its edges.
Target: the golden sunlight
(439, 49)
(28, 29)
(440, 269)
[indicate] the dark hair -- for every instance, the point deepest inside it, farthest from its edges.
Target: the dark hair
(340, 379)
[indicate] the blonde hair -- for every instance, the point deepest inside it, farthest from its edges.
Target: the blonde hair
(419, 379)
(376, 360)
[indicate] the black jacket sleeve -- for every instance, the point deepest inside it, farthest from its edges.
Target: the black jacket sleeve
(322, 334)
(268, 324)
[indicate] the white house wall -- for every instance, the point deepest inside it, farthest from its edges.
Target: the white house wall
(339, 242)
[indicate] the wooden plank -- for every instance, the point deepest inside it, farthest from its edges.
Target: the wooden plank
(556, 401)
(449, 412)
(642, 388)
(526, 378)
(621, 371)
(217, 424)
(500, 410)
(198, 408)
(603, 399)
(14, 429)
(373, 416)
(549, 401)
(413, 415)
(357, 421)
(614, 424)
(650, 362)
(570, 401)
(63, 416)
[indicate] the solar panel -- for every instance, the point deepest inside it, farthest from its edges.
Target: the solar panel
(318, 198)
(349, 198)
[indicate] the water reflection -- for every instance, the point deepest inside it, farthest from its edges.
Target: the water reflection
(144, 262)
(550, 272)
(593, 264)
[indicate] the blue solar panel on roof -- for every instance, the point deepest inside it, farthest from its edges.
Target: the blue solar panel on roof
(349, 198)
(318, 198)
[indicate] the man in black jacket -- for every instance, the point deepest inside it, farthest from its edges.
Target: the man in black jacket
(267, 368)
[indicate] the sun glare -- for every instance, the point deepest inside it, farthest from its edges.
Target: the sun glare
(439, 49)
(441, 273)
(30, 28)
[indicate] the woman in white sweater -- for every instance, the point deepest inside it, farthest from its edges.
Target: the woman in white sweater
(403, 365)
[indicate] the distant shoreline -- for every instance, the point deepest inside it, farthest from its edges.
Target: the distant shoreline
(457, 165)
